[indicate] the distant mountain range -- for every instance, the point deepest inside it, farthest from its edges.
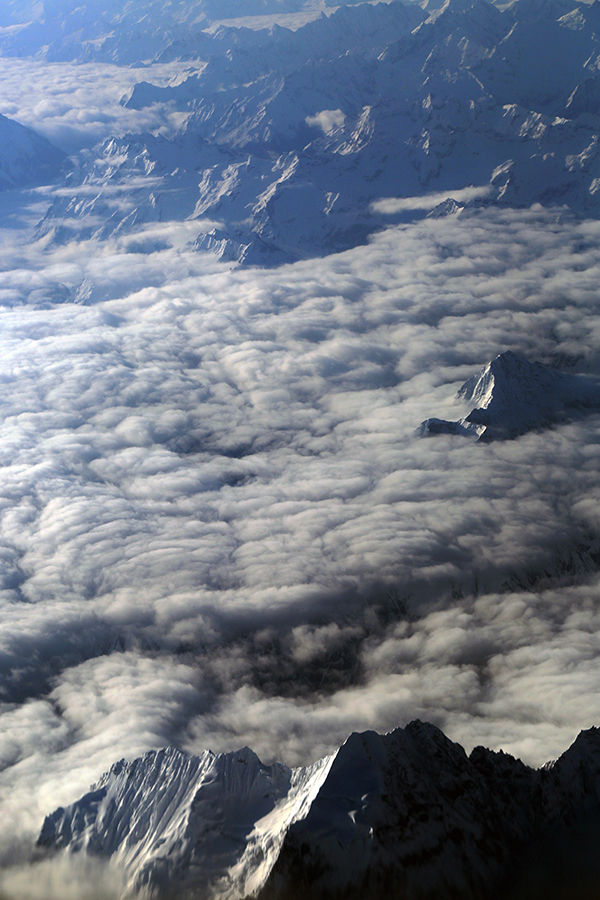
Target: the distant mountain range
(403, 815)
(296, 143)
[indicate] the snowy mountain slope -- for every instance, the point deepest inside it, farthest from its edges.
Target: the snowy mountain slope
(26, 158)
(364, 30)
(373, 101)
(129, 181)
(406, 814)
(512, 396)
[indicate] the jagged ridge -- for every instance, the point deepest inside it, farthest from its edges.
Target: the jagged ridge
(402, 815)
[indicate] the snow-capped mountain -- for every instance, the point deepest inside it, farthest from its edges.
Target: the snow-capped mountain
(511, 396)
(407, 814)
(291, 138)
(179, 823)
(26, 158)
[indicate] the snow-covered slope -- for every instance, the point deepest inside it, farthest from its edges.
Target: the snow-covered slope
(511, 396)
(26, 158)
(407, 814)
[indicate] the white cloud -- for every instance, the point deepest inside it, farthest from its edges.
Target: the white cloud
(77, 105)
(387, 206)
(62, 878)
(327, 120)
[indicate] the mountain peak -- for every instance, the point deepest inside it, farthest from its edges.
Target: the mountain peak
(508, 378)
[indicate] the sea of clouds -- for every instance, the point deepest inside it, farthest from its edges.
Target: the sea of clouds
(218, 527)
(76, 105)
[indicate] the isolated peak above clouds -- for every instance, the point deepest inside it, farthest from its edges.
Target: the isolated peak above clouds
(513, 396)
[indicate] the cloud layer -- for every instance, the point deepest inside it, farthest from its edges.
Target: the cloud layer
(218, 526)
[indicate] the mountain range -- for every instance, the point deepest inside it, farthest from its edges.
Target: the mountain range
(295, 143)
(292, 141)
(403, 815)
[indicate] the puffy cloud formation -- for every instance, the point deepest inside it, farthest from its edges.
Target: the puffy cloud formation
(327, 120)
(219, 528)
(64, 879)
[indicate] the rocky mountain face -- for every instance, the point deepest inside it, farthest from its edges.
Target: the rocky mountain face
(402, 815)
(291, 137)
(179, 823)
(512, 396)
